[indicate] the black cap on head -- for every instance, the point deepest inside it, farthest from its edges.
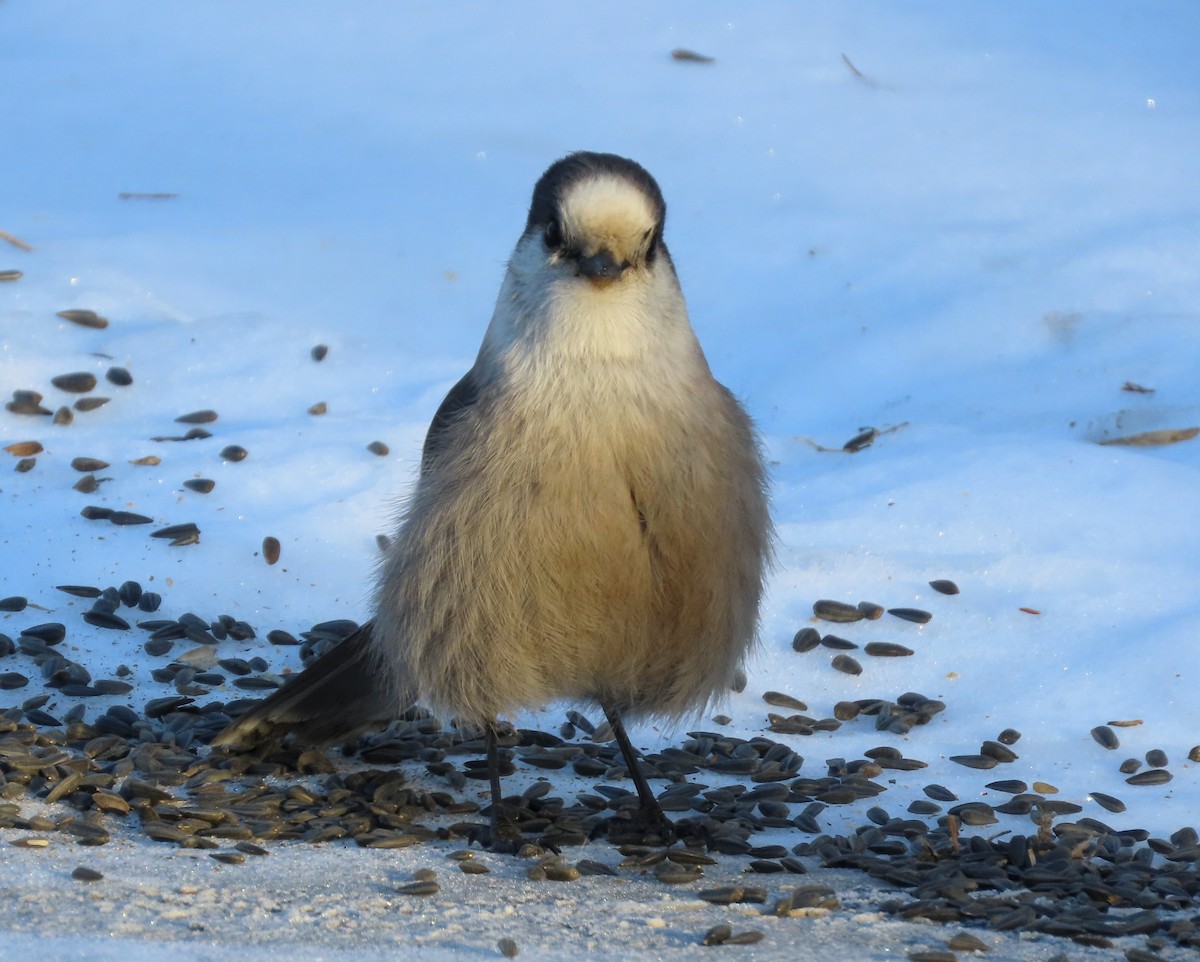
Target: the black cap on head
(580, 165)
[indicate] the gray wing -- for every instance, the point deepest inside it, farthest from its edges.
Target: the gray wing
(457, 403)
(332, 699)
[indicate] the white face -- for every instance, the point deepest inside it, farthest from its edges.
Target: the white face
(609, 213)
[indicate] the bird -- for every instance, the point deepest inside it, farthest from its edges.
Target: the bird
(590, 523)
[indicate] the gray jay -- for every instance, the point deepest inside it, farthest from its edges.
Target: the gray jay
(590, 522)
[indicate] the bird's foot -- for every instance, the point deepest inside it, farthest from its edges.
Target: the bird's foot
(500, 835)
(642, 828)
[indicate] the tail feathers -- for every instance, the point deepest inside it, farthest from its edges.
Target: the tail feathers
(336, 697)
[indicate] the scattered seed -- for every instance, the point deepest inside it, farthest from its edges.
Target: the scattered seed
(77, 382)
(870, 610)
(911, 614)
(234, 452)
(983, 762)
(730, 894)
(1107, 802)
(887, 649)
(837, 611)
(837, 644)
(25, 465)
(118, 376)
(105, 619)
(319, 408)
(1194, 754)
(846, 665)
(749, 937)
(85, 404)
(1105, 737)
(20, 449)
(270, 549)
(128, 517)
(88, 464)
(198, 417)
(84, 317)
(176, 531)
(379, 448)
(932, 955)
(429, 887)
(228, 858)
(319, 351)
(945, 586)
(781, 700)
(11, 275)
(1153, 776)
(200, 485)
(1156, 758)
(508, 948)
(64, 416)
(1045, 788)
(806, 639)
(85, 874)
(1010, 736)
(13, 603)
(148, 461)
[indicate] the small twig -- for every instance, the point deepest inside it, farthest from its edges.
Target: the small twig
(858, 73)
(15, 241)
(864, 439)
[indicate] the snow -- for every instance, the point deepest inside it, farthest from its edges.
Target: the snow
(977, 238)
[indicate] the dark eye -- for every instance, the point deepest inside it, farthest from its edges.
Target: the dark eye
(553, 235)
(651, 246)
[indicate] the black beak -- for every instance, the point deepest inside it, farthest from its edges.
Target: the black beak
(601, 267)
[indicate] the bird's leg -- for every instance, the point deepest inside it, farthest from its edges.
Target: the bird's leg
(650, 825)
(503, 835)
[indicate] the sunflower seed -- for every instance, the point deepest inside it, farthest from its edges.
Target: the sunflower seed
(88, 464)
(846, 665)
(887, 649)
(84, 318)
(1153, 776)
(13, 603)
(234, 452)
(1105, 737)
(945, 586)
(318, 352)
(270, 549)
(205, 416)
(128, 517)
(200, 485)
(379, 448)
(77, 382)
(118, 376)
(806, 639)
(911, 614)
(85, 874)
(85, 404)
(781, 700)
(20, 449)
(837, 611)
(64, 416)
(1156, 758)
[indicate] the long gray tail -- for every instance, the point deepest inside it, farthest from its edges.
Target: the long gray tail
(334, 698)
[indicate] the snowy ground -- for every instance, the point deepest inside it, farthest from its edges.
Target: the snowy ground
(971, 223)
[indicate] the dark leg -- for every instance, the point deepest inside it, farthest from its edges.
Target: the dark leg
(503, 835)
(651, 824)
